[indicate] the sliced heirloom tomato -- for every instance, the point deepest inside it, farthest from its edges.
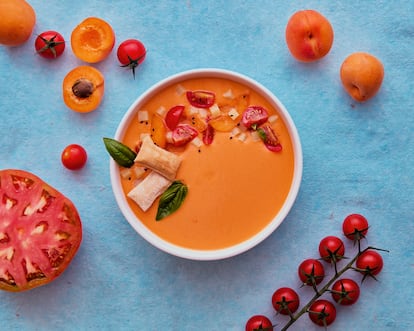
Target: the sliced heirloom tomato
(201, 99)
(40, 231)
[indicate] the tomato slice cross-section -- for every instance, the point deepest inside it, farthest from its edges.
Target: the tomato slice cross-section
(40, 231)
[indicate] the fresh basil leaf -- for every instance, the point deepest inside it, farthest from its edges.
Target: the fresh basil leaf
(121, 153)
(171, 199)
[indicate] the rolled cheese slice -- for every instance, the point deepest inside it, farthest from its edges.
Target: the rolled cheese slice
(158, 159)
(151, 187)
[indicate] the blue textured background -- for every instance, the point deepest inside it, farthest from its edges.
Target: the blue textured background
(357, 158)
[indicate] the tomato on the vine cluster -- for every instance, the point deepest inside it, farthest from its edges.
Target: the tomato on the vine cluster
(344, 291)
(131, 53)
(74, 157)
(50, 44)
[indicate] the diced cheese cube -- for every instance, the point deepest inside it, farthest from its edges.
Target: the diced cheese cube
(143, 116)
(161, 111)
(180, 90)
(255, 136)
(228, 94)
(235, 132)
(139, 171)
(197, 142)
(233, 113)
(194, 110)
(125, 173)
(215, 110)
(273, 118)
(242, 137)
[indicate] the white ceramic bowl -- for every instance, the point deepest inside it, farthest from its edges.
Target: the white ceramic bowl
(242, 246)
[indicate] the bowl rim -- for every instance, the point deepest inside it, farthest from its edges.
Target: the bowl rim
(226, 252)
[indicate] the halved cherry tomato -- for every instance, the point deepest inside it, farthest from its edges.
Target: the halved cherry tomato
(74, 157)
(50, 44)
(269, 138)
(40, 231)
(254, 116)
(183, 134)
(201, 99)
(131, 53)
(208, 135)
(173, 116)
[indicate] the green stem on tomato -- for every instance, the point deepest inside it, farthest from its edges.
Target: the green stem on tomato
(319, 293)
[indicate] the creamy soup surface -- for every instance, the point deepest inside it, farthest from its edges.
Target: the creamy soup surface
(235, 186)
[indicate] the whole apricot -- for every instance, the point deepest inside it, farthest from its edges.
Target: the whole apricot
(18, 19)
(361, 75)
(309, 35)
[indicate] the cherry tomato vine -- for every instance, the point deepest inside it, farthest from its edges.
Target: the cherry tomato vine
(344, 291)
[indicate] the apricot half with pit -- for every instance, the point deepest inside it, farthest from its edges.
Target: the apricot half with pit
(83, 89)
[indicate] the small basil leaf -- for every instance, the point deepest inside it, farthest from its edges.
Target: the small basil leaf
(121, 153)
(171, 199)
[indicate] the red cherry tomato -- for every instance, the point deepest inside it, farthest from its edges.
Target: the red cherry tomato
(355, 226)
(201, 99)
(259, 323)
(254, 116)
(311, 272)
(40, 231)
(131, 53)
(322, 312)
(345, 291)
(74, 157)
(369, 263)
(331, 249)
(269, 138)
(50, 44)
(173, 116)
(183, 134)
(285, 301)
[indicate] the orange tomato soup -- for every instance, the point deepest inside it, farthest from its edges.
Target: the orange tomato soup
(235, 187)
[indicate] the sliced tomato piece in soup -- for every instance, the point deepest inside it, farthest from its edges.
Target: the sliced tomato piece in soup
(201, 99)
(40, 231)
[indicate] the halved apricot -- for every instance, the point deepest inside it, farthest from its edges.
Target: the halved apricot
(92, 40)
(83, 89)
